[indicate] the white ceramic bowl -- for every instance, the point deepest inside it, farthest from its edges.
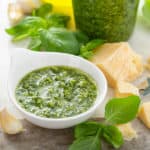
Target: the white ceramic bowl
(24, 61)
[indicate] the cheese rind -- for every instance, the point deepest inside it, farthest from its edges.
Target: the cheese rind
(144, 113)
(127, 131)
(125, 89)
(118, 62)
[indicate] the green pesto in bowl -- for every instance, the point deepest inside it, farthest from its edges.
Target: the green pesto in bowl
(56, 92)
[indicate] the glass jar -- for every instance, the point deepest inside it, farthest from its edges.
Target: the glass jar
(111, 20)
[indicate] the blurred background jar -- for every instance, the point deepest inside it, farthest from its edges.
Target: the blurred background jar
(111, 20)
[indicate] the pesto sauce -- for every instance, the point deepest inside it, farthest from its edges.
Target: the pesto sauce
(56, 92)
(111, 20)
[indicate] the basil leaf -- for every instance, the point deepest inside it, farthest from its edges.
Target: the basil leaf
(29, 26)
(93, 44)
(35, 43)
(112, 135)
(59, 40)
(57, 20)
(86, 51)
(81, 37)
(87, 129)
(43, 10)
(18, 32)
(86, 143)
(122, 110)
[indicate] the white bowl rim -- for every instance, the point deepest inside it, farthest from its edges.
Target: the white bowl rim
(91, 109)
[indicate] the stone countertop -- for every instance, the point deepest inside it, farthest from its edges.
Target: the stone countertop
(36, 138)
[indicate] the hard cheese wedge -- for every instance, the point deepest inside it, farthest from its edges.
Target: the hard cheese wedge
(9, 123)
(127, 131)
(118, 62)
(144, 113)
(125, 89)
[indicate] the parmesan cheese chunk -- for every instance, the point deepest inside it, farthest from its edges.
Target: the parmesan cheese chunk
(147, 65)
(9, 123)
(144, 113)
(127, 131)
(118, 62)
(125, 89)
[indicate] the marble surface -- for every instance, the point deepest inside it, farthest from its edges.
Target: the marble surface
(36, 138)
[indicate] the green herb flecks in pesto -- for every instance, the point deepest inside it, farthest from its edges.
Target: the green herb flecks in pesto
(56, 92)
(111, 20)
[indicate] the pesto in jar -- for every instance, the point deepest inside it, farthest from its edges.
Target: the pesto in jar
(56, 92)
(111, 20)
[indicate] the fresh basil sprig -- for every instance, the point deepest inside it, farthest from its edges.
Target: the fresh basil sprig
(41, 18)
(88, 135)
(86, 51)
(47, 31)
